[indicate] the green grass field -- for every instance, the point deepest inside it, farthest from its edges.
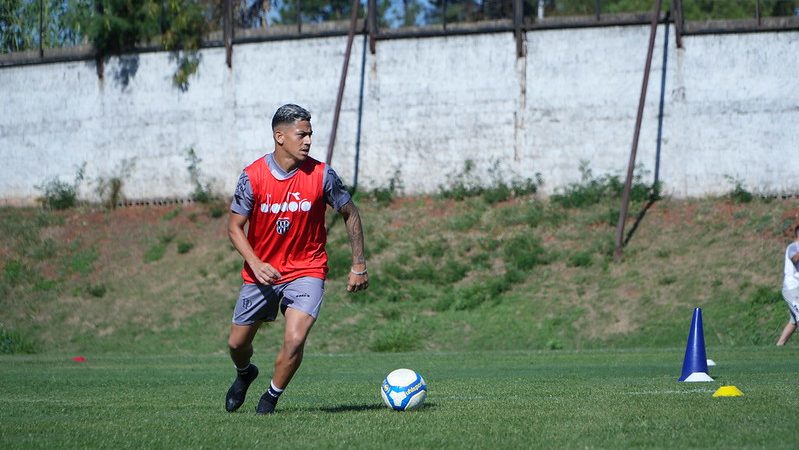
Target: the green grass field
(512, 399)
(510, 305)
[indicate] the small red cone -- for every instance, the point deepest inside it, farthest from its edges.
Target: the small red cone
(79, 359)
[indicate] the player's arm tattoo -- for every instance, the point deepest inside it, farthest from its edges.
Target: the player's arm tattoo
(352, 220)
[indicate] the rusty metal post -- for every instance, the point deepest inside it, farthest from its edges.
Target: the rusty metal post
(676, 6)
(41, 28)
(518, 18)
(227, 31)
(662, 101)
(625, 198)
(99, 56)
(757, 12)
(343, 82)
(371, 24)
(444, 15)
(299, 17)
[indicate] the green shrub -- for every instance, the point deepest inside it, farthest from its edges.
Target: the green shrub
(57, 194)
(465, 221)
(765, 295)
(42, 249)
(97, 290)
(184, 247)
(435, 248)
(383, 196)
(82, 261)
(13, 342)
(395, 338)
(497, 193)
(467, 183)
(524, 251)
(339, 260)
(580, 259)
(666, 280)
(739, 194)
(462, 184)
(109, 189)
(155, 252)
(202, 188)
(217, 211)
(172, 214)
(475, 295)
(15, 273)
(592, 190)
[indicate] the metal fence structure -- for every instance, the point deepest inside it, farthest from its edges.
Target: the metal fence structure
(38, 29)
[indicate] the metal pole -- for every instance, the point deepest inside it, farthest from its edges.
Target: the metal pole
(444, 15)
(41, 28)
(99, 56)
(227, 30)
(625, 198)
(360, 117)
(343, 82)
(757, 12)
(518, 17)
(299, 17)
(598, 9)
(662, 101)
(371, 21)
(677, 7)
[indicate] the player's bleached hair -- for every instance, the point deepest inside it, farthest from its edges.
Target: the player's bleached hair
(289, 113)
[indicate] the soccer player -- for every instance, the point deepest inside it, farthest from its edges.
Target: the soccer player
(282, 197)
(790, 287)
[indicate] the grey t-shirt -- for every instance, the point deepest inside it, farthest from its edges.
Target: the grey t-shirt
(243, 198)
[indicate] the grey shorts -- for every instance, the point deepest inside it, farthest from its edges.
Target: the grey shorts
(791, 297)
(260, 302)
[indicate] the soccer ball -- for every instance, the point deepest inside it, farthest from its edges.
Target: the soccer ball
(403, 390)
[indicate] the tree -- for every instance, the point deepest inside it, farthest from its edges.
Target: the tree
(119, 26)
(19, 25)
(313, 11)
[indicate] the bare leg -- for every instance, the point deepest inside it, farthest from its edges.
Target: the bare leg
(240, 343)
(298, 325)
(786, 333)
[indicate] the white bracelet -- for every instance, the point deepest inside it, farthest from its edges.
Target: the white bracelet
(358, 273)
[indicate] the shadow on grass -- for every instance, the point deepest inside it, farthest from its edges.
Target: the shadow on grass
(653, 197)
(369, 407)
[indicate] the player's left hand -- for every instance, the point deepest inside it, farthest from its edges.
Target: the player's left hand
(358, 281)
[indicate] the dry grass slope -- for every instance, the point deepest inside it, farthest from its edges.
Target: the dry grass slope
(523, 273)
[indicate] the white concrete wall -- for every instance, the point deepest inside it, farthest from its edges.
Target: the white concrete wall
(732, 109)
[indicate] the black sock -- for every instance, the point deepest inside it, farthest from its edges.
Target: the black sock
(274, 392)
(245, 371)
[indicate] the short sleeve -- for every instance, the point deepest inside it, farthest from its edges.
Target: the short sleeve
(336, 194)
(243, 197)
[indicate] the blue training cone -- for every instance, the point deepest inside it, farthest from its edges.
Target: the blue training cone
(694, 366)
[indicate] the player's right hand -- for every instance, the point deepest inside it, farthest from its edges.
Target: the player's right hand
(265, 273)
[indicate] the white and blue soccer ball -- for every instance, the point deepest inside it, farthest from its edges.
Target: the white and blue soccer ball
(403, 390)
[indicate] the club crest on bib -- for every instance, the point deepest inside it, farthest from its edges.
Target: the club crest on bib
(282, 225)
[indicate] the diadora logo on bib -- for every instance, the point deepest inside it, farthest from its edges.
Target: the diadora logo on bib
(292, 203)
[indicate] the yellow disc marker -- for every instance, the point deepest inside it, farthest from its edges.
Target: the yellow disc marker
(728, 391)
